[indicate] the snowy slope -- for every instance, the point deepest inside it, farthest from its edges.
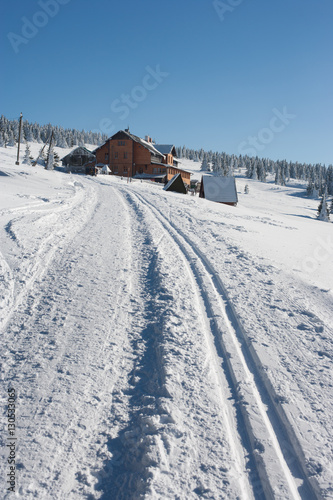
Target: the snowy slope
(163, 346)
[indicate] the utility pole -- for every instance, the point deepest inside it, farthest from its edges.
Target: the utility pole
(40, 153)
(50, 148)
(19, 141)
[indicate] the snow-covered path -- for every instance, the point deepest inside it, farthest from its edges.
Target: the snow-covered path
(139, 371)
(279, 462)
(86, 344)
(61, 346)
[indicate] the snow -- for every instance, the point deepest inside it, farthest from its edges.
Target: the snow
(162, 345)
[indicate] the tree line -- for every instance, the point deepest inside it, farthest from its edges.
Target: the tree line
(319, 178)
(33, 132)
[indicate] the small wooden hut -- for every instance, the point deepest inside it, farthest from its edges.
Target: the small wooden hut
(176, 184)
(219, 189)
(77, 159)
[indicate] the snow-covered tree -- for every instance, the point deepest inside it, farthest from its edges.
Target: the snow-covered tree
(56, 159)
(204, 165)
(261, 171)
(246, 189)
(315, 194)
(27, 132)
(323, 212)
(5, 139)
(50, 160)
(310, 189)
(27, 155)
(254, 175)
(11, 138)
(279, 177)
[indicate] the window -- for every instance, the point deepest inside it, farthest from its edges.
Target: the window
(115, 169)
(121, 143)
(146, 167)
(125, 155)
(116, 154)
(125, 170)
(140, 170)
(106, 157)
(154, 170)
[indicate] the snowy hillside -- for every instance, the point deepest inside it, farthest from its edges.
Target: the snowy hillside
(162, 346)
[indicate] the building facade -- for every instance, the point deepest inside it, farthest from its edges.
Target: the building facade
(77, 160)
(128, 155)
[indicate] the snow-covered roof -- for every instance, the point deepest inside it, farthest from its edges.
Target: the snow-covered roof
(171, 181)
(147, 145)
(220, 189)
(176, 184)
(156, 162)
(105, 168)
(149, 176)
(166, 149)
(80, 150)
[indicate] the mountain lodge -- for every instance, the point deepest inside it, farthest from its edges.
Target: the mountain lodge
(127, 155)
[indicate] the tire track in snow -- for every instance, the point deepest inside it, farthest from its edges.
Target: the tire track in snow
(279, 457)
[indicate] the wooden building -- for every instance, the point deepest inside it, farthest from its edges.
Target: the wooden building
(219, 189)
(77, 160)
(128, 155)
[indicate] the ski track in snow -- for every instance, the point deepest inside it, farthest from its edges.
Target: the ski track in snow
(247, 381)
(159, 428)
(135, 369)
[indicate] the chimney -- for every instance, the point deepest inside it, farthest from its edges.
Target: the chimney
(148, 139)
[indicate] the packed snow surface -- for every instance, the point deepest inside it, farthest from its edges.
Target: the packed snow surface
(162, 346)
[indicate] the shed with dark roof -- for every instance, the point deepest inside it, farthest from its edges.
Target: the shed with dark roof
(219, 189)
(176, 184)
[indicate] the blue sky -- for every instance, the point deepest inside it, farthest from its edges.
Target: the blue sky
(240, 76)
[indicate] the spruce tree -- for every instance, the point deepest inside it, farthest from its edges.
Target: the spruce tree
(310, 189)
(50, 159)
(204, 165)
(27, 155)
(323, 213)
(11, 138)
